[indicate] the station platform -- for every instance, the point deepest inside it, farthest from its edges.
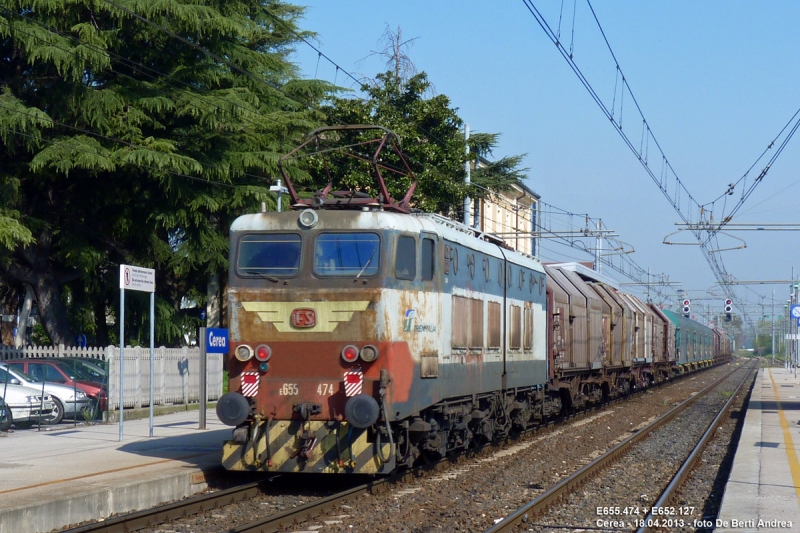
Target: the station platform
(763, 491)
(68, 475)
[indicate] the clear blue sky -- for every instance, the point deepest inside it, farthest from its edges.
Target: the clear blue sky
(716, 81)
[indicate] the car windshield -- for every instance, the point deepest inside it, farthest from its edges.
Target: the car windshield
(347, 254)
(74, 370)
(25, 377)
(269, 254)
(92, 369)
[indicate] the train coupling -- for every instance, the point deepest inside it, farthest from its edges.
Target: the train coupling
(307, 409)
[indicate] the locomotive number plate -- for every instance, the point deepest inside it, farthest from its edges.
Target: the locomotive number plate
(304, 318)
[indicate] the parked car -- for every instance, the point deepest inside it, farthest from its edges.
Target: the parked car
(66, 400)
(63, 373)
(25, 406)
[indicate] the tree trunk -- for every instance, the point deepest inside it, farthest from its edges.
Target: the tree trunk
(52, 311)
(10, 309)
(32, 266)
(99, 307)
(24, 315)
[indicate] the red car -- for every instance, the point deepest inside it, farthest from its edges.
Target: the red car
(63, 373)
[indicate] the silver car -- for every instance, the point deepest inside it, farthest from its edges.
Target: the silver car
(25, 406)
(66, 403)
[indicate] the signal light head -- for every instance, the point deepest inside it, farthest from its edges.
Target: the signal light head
(350, 353)
(243, 353)
(263, 353)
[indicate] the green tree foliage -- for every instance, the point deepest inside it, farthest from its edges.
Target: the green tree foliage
(124, 141)
(432, 141)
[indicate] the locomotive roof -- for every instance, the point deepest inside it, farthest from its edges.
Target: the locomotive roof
(331, 220)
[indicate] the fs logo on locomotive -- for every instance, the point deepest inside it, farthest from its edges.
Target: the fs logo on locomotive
(408, 321)
(317, 317)
(304, 318)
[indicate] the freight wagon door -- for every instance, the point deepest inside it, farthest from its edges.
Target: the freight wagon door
(595, 309)
(561, 331)
(577, 318)
(616, 326)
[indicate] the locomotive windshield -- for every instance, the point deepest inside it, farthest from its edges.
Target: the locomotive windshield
(271, 254)
(347, 254)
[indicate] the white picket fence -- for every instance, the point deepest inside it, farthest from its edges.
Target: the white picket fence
(176, 371)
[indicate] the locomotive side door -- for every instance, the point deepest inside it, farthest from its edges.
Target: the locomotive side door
(433, 348)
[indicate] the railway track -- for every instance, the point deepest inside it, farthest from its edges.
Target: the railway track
(623, 517)
(280, 521)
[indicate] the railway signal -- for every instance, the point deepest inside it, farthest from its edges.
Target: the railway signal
(687, 310)
(728, 309)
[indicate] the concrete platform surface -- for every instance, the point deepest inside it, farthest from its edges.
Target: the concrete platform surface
(65, 476)
(763, 491)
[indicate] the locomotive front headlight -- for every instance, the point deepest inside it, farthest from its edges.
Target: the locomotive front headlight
(244, 353)
(263, 353)
(369, 353)
(350, 353)
(308, 218)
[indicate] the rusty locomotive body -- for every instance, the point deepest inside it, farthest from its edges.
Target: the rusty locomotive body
(383, 337)
(365, 340)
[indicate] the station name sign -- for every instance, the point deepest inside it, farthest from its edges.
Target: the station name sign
(216, 340)
(137, 278)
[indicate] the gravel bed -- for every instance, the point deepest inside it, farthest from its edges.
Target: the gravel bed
(473, 492)
(705, 486)
(625, 491)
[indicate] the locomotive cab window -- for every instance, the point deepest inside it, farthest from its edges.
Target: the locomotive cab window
(269, 254)
(427, 258)
(347, 254)
(405, 265)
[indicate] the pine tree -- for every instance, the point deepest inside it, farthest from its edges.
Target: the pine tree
(134, 131)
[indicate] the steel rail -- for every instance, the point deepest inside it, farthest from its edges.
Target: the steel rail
(171, 511)
(279, 521)
(680, 477)
(578, 478)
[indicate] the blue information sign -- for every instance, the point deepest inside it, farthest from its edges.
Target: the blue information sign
(216, 340)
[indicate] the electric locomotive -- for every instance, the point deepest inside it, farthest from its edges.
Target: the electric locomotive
(365, 337)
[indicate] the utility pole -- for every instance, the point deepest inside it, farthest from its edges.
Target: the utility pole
(598, 251)
(794, 325)
(467, 199)
(773, 326)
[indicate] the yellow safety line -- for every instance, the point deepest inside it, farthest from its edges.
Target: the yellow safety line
(794, 465)
(56, 481)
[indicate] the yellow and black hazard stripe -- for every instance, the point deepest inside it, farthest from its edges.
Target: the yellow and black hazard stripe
(355, 453)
